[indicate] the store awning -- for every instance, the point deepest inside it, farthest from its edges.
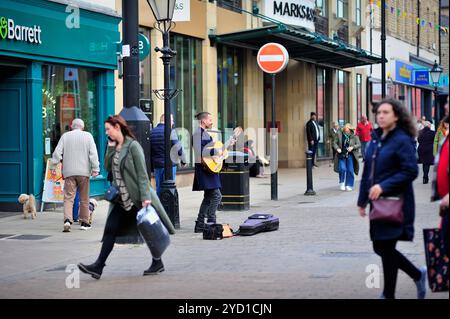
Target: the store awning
(301, 44)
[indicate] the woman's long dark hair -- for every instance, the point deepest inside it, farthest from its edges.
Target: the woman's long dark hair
(405, 119)
(114, 120)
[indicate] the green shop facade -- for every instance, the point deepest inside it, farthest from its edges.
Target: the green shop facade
(56, 63)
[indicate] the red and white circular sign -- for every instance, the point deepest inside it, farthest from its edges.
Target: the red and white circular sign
(272, 58)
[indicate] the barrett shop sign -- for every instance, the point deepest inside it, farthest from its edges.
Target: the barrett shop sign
(49, 31)
(300, 13)
(404, 72)
(9, 30)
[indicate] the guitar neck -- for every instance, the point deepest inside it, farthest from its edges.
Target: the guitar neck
(227, 144)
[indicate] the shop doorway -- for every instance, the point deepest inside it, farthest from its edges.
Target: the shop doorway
(14, 142)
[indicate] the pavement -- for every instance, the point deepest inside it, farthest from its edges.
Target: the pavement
(321, 250)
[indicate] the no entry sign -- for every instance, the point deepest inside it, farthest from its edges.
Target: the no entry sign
(272, 58)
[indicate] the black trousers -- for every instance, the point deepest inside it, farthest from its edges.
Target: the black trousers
(117, 220)
(392, 261)
(208, 208)
(426, 170)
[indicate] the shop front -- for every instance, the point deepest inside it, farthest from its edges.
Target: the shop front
(317, 78)
(56, 64)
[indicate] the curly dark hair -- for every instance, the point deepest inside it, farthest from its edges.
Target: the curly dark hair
(405, 120)
(119, 120)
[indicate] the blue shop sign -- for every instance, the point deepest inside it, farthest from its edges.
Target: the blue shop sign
(422, 77)
(404, 72)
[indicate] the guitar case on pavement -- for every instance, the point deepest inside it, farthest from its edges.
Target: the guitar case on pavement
(258, 223)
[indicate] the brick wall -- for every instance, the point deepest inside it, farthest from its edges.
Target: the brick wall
(405, 27)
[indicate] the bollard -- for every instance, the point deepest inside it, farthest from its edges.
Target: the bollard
(309, 179)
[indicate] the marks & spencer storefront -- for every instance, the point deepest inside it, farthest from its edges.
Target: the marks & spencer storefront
(56, 63)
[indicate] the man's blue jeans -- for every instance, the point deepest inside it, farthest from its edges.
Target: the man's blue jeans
(346, 171)
(159, 178)
(76, 206)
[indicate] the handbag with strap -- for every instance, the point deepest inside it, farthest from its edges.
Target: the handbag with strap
(385, 209)
(113, 191)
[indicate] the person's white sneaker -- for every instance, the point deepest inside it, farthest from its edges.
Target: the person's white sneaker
(348, 189)
(342, 186)
(85, 226)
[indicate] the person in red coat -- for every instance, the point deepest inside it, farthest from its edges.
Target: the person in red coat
(363, 131)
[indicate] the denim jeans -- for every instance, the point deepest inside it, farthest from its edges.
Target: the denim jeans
(76, 206)
(346, 172)
(363, 149)
(211, 201)
(159, 178)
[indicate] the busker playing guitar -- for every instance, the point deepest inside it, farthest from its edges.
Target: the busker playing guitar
(206, 177)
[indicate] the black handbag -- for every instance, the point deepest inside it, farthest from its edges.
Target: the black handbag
(213, 231)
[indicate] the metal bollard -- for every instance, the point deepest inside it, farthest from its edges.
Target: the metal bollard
(309, 179)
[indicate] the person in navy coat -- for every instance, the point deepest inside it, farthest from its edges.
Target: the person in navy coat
(425, 149)
(204, 180)
(393, 155)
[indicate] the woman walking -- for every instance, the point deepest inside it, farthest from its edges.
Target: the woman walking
(125, 159)
(425, 149)
(347, 146)
(392, 156)
(441, 134)
(440, 187)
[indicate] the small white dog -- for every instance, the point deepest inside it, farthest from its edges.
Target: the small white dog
(29, 205)
(92, 206)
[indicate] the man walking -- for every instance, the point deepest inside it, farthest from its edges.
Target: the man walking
(313, 136)
(205, 180)
(364, 131)
(79, 157)
(158, 151)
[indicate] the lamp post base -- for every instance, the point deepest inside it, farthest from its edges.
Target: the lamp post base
(169, 200)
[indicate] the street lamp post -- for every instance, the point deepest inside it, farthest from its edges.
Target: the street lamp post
(163, 12)
(435, 74)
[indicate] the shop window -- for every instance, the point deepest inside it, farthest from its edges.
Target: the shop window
(145, 72)
(186, 74)
(343, 98)
(359, 112)
(231, 108)
(322, 114)
(145, 83)
(67, 93)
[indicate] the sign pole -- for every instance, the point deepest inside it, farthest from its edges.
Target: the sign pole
(274, 148)
(272, 59)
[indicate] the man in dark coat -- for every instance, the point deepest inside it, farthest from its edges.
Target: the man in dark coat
(205, 180)
(158, 152)
(425, 149)
(313, 136)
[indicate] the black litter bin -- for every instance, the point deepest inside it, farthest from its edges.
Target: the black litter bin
(235, 182)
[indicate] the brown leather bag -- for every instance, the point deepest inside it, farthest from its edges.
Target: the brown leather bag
(385, 209)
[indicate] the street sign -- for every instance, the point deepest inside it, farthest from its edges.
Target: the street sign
(144, 46)
(272, 58)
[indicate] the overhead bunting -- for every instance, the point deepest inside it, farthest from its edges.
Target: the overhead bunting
(419, 21)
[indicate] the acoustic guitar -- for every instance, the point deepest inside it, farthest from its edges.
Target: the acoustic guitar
(214, 163)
